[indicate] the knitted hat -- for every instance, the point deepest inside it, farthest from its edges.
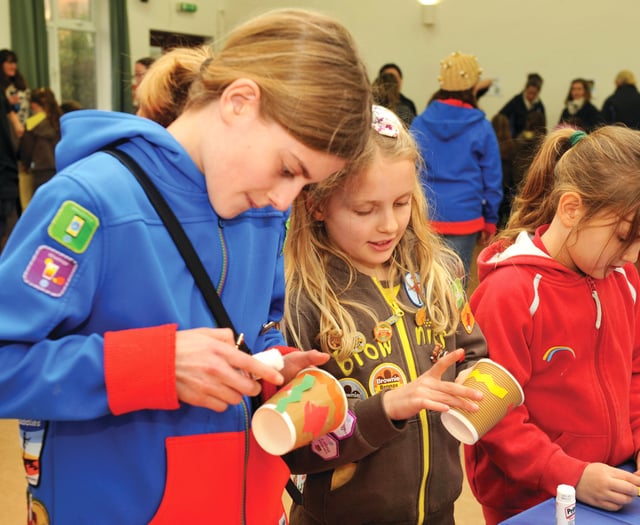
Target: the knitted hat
(459, 72)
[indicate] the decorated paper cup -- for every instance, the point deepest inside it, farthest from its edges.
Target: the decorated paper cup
(311, 405)
(502, 393)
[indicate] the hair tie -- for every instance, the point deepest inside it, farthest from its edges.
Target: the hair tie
(385, 122)
(205, 64)
(576, 137)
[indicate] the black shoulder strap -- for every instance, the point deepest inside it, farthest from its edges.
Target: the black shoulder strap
(181, 241)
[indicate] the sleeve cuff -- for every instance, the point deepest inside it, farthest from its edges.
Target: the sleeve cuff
(139, 369)
(373, 423)
(268, 389)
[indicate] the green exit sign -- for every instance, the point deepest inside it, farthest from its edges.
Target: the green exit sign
(186, 7)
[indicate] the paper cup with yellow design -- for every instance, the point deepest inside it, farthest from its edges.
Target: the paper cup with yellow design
(311, 405)
(502, 393)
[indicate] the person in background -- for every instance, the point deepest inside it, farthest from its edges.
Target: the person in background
(386, 92)
(525, 147)
(117, 369)
(369, 283)
(15, 88)
(623, 106)
(8, 173)
(528, 101)
(579, 111)
(502, 130)
(395, 70)
(140, 69)
(462, 176)
(557, 302)
(70, 105)
(42, 133)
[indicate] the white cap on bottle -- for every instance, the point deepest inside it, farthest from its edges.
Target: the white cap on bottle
(566, 493)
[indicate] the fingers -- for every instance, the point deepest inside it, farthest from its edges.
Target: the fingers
(449, 359)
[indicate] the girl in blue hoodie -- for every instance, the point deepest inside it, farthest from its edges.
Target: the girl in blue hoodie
(133, 404)
(462, 176)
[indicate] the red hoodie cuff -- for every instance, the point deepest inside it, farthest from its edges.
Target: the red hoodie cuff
(269, 389)
(140, 370)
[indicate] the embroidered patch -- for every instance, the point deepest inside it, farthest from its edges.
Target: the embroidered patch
(459, 293)
(347, 428)
(353, 389)
(36, 511)
(548, 355)
(386, 376)
(467, 318)
(49, 271)
(326, 447)
(413, 289)
(32, 439)
(73, 226)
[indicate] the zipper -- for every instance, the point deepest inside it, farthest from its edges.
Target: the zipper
(596, 299)
(243, 510)
(225, 259)
(606, 395)
(412, 368)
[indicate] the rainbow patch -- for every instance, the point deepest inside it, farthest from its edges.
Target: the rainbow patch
(548, 355)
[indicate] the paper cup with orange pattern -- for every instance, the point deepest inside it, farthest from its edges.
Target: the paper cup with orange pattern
(311, 405)
(502, 393)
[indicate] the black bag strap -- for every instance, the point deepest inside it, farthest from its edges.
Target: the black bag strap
(182, 242)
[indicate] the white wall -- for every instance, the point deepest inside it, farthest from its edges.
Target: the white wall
(560, 39)
(5, 30)
(162, 15)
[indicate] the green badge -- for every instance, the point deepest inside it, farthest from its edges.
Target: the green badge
(73, 226)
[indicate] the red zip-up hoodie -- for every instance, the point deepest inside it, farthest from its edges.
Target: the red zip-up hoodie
(573, 344)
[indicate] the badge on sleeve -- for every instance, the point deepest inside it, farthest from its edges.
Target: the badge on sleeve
(73, 226)
(49, 271)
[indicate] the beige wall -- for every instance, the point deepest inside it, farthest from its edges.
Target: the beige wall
(560, 39)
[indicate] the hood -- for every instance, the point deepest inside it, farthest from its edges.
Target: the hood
(523, 252)
(446, 121)
(86, 131)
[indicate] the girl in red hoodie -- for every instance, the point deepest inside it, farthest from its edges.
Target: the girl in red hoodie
(558, 304)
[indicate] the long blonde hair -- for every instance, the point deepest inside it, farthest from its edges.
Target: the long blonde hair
(308, 251)
(312, 80)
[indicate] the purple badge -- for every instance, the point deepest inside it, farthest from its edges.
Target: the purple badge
(50, 271)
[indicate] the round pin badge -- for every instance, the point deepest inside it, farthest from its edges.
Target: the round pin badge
(383, 331)
(359, 342)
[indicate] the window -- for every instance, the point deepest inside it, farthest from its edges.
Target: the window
(78, 70)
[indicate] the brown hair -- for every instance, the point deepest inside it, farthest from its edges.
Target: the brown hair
(312, 80)
(44, 97)
(601, 167)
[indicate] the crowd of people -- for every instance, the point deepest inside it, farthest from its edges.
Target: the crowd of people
(325, 216)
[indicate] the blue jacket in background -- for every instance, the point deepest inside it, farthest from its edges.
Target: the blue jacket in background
(462, 178)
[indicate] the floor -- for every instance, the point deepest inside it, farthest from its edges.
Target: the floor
(13, 484)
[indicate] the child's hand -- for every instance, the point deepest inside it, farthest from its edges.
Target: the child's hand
(296, 361)
(429, 392)
(607, 487)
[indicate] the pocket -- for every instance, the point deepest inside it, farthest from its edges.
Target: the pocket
(204, 478)
(205, 481)
(591, 448)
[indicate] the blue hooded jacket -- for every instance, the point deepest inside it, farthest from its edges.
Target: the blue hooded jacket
(463, 171)
(90, 255)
